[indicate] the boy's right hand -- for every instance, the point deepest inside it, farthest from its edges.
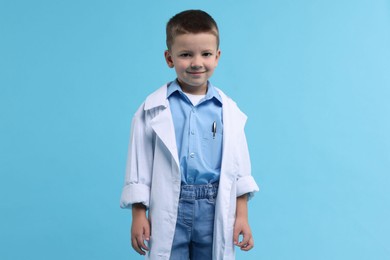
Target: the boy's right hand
(140, 229)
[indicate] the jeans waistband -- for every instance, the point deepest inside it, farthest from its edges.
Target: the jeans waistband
(202, 191)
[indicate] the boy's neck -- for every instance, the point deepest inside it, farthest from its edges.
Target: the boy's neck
(201, 90)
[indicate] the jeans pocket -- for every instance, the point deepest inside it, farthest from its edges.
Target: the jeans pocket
(185, 211)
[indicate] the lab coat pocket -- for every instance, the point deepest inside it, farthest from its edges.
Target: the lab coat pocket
(212, 149)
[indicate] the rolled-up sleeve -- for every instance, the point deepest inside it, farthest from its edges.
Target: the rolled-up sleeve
(245, 182)
(139, 166)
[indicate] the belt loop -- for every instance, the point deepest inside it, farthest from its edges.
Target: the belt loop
(210, 193)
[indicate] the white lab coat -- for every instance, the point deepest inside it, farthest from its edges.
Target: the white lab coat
(153, 176)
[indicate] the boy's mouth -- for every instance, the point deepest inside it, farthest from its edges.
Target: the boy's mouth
(196, 72)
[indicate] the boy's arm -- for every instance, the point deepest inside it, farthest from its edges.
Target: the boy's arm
(246, 187)
(245, 182)
(241, 225)
(140, 228)
(136, 188)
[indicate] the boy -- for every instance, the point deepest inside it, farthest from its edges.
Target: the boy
(188, 162)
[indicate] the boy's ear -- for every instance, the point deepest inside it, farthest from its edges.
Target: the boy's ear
(168, 59)
(218, 55)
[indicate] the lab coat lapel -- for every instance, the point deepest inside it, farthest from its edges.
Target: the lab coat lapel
(162, 123)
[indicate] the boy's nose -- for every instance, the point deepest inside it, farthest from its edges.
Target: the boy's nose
(196, 63)
(196, 67)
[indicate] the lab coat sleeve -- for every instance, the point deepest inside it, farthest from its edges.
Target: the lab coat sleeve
(139, 166)
(245, 182)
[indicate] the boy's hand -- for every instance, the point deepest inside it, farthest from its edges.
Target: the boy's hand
(140, 229)
(241, 226)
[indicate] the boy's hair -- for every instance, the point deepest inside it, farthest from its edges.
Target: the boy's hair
(191, 21)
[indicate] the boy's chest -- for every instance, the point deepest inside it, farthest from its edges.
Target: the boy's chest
(199, 137)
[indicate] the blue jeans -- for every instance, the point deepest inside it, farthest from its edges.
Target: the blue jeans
(195, 223)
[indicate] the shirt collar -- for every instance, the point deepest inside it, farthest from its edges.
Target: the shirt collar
(211, 91)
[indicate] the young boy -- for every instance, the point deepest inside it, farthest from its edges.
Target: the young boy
(188, 162)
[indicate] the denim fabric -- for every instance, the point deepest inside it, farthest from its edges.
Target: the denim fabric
(195, 223)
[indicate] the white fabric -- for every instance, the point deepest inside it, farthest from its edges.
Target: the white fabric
(153, 177)
(194, 98)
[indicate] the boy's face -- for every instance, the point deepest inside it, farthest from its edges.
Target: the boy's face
(194, 57)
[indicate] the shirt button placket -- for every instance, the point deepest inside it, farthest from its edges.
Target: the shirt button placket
(191, 146)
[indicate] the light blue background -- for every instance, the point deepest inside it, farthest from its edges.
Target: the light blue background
(312, 76)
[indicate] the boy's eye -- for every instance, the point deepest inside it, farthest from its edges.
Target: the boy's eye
(185, 55)
(207, 54)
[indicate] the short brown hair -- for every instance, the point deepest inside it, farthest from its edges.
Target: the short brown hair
(190, 21)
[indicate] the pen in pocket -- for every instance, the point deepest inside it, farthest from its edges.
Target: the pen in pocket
(214, 129)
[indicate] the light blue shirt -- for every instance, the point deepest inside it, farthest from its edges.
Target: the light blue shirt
(199, 148)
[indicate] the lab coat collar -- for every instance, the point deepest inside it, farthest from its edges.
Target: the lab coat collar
(157, 98)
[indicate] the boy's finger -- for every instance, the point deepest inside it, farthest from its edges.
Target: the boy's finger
(248, 246)
(142, 244)
(235, 236)
(136, 247)
(146, 237)
(147, 233)
(245, 240)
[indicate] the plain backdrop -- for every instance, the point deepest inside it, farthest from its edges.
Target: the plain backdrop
(312, 76)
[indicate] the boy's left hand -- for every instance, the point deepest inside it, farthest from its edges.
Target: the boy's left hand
(241, 227)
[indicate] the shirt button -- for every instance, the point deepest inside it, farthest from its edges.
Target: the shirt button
(192, 132)
(192, 155)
